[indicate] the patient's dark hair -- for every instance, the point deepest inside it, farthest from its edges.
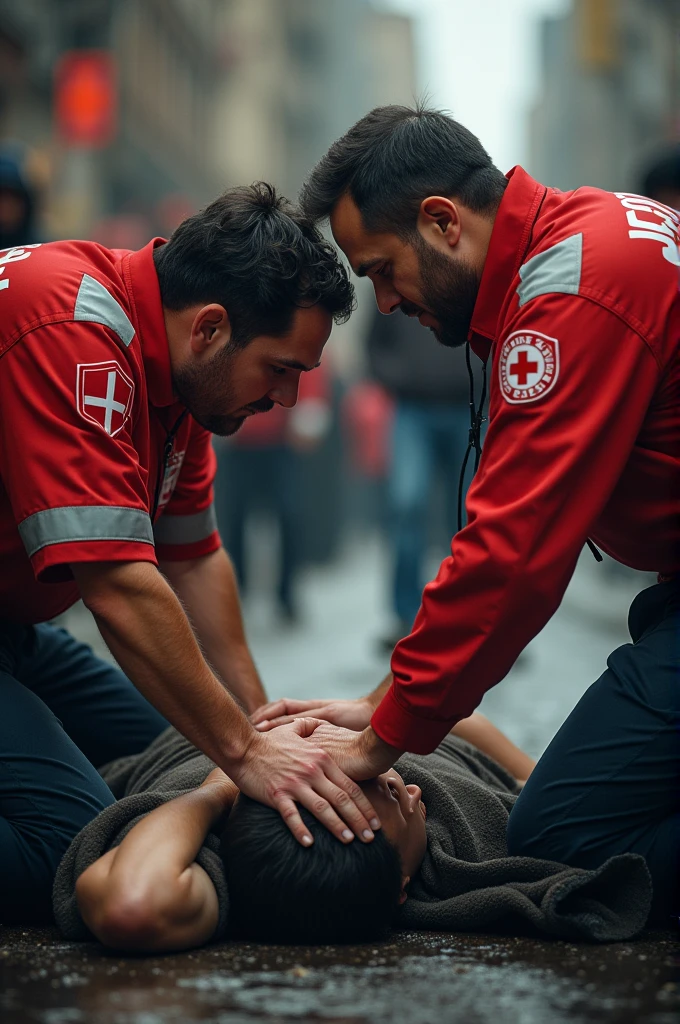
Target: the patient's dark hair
(282, 892)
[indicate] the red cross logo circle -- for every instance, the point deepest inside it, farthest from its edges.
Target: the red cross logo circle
(528, 366)
(104, 394)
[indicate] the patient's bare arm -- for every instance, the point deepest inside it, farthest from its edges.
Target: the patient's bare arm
(148, 893)
(484, 735)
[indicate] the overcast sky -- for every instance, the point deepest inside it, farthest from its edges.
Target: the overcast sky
(480, 60)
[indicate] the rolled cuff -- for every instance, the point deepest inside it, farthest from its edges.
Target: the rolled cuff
(51, 564)
(184, 552)
(400, 728)
(183, 530)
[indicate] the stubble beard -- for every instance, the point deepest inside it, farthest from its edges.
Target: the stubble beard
(202, 388)
(449, 288)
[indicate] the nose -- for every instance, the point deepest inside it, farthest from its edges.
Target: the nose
(285, 393)
(416, 794)
(386, 296)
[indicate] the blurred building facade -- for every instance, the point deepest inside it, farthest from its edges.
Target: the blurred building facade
(301, 72)
(209, 93)
(610, 92)
(168, 62)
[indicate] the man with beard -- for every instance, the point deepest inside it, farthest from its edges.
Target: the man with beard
(573, 299)
(114, 367)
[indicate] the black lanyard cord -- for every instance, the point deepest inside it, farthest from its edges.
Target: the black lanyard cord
(475, 440)
(163, 465)
(475, 433)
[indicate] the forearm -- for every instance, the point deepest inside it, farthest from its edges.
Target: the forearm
(207, 588)
(148, 633)
(484, 735)
(166, 842)
(148, 893)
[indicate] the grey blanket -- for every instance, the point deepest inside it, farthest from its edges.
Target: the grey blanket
(467, 881)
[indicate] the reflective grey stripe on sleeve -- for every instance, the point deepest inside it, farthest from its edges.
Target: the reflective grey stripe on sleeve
(98, 306)
(82, 523)
(558, 269)
(185, 529)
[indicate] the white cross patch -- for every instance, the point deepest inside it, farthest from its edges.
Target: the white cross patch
(104, 394)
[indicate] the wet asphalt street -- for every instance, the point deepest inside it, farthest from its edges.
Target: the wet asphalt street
(414, 979)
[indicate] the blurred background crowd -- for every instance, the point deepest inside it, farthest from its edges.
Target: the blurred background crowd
(118, 118)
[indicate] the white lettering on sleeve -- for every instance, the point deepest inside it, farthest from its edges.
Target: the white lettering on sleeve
(665, 228)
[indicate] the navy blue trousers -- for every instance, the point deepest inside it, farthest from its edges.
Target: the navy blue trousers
(63, 713)
(610, 780)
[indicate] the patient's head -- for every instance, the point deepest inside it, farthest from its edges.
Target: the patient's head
(280, 891)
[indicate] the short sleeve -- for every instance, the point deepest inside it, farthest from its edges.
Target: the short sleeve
(70, 397)
(187, 526)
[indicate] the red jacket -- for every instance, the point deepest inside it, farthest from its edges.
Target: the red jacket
(94, 445)
(579, 314)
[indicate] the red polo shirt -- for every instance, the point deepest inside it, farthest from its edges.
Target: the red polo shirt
(94, 446)
(579, 315)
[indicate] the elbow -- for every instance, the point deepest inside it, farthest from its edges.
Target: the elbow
(118, 918)
(105, 587)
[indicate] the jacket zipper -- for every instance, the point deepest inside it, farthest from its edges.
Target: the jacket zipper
(167, 451)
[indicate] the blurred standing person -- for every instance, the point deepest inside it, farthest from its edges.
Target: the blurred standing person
(17, 198)
(429, 384)
(260, 468)
(661, 180)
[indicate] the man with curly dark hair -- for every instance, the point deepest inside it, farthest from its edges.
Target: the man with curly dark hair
(115, 366)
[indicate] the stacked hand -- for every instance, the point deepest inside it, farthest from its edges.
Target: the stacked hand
(286, 767)
(350, 714)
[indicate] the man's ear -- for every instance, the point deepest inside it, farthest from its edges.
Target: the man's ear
(439, 221)
(210, 328)
(403, 895)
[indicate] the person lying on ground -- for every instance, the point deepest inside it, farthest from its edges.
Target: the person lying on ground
(211, 862)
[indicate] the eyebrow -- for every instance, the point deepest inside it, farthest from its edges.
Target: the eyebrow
(367, 265)
(295, 364)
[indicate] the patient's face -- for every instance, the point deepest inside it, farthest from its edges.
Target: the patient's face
(402, 814)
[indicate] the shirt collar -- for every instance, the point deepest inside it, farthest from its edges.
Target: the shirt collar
(507, 248)
(141, 280)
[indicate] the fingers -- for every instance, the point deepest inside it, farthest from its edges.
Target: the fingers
(274, 723)
(290, 814)
(274, 709)
(336, 811)
(356, 794)
(281, 708)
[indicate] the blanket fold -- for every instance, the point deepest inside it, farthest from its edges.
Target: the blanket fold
(467, 882)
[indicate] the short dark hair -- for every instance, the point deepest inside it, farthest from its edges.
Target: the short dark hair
(282, 892)
(258, 256)
(395, 157)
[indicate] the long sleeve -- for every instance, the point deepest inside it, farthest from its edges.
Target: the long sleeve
(548, 468)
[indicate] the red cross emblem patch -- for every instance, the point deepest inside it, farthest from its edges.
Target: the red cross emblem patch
(528, 367)
(104, 394)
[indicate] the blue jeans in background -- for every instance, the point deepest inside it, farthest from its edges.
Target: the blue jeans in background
(426, 437)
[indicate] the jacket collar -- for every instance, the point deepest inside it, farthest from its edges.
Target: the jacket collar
(507, 249)
(141, 281)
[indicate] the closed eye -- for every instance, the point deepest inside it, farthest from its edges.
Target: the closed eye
(279, 370)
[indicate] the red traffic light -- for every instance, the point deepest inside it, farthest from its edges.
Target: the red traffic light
(85, 98)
